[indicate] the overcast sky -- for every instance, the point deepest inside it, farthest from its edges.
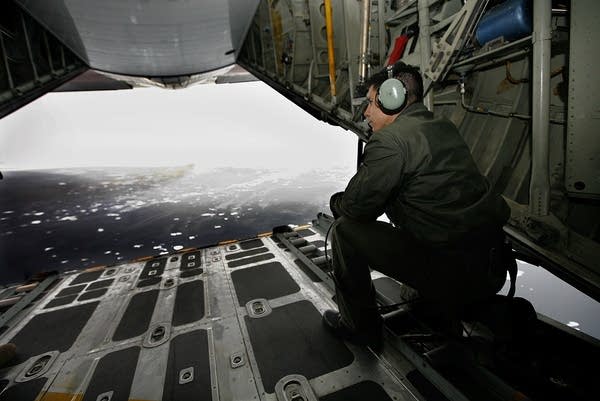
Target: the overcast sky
(241, 125)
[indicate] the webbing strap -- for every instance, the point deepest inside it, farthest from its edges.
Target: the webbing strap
(512, 272)
(511, 266)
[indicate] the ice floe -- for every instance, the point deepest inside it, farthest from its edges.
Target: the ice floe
(177, 247)
(36, 222)
(175, 234)
(69, 218)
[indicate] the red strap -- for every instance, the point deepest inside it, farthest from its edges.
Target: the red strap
(399, 47)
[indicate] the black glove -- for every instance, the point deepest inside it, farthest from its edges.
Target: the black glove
(335, 198)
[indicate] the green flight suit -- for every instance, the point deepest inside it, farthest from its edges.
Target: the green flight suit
(446, 218)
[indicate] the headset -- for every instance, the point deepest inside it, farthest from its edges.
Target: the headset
(391, 95)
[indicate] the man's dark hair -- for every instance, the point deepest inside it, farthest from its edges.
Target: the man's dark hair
(409, 75)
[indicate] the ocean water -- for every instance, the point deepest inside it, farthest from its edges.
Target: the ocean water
(77, 218)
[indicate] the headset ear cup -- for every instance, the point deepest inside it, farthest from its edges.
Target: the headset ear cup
(391, 96)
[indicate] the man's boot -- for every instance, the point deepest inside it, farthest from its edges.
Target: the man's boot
(369, 336)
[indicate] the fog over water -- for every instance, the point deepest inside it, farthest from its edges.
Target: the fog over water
(107, 177)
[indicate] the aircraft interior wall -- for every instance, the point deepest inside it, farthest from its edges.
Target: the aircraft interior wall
(32, 60)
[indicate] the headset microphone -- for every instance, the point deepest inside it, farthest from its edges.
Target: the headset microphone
(391, 95)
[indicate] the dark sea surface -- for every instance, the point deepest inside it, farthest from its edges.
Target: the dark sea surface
(72, 219)
(77, 218)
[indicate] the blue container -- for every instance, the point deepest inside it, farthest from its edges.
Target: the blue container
(511, 19)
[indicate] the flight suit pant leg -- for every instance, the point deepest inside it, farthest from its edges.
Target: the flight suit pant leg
(359, 246)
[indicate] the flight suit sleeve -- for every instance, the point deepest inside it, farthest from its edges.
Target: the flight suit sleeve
(368, 192)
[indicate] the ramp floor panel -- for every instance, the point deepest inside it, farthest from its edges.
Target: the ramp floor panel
(243, 254)
(153, 268)
(100, 284)
(292, 340)
(188, 375)
(190, 273)
(269, 281)
(305, 232)
(114, 373)
(254, 259)
(137, 316)
(70, 290)
(253, 243)
(148, 282)
(189, 303)
(27, 391)
(51, 331)
(362, 391)
(191, 260)
(92, 294)
(61, 301)
(86, 277)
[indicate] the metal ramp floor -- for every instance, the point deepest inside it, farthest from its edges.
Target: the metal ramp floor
(238, 321)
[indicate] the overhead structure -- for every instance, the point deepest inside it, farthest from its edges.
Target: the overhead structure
(148, 38)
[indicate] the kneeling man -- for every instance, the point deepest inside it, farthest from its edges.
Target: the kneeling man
(446, 220)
